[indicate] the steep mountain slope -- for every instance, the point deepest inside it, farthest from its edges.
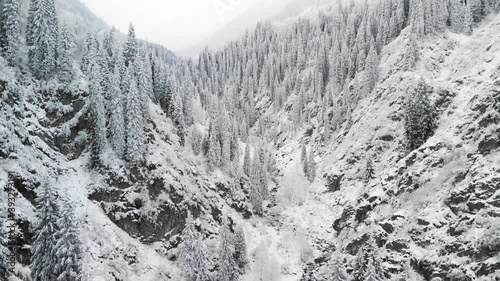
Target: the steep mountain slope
(436, 206)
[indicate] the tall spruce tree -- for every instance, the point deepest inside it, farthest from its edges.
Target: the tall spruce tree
(130, 50)
(11, 31)
(227, 266)
(65, 71)
(193, 253)
(42, 32)
(97, 116)
(135, 125)
(117, 120)
(420, 120)
(68, 251)
(43, 259)
(4, 250)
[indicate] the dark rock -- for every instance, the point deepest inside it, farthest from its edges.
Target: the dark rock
(421, 221)
(488, 144)
(387, 138)
(333, 182)
(387, 227)
(343, 222)
(362, 212)
(397, 245)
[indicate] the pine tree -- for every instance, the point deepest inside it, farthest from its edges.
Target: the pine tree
(372, 68)
(303, 154)
(42, 32)
(256, 199)
(240, 249)
(4, 251)
(368, 264)
(338, 270)
(177, 116)
(227, 266)
(135, 125)
(420, 120)
(64, 57)
(117, 120)
(43, 260)
(193, 254)
(196, 139)
(131, 48)
(11, 31)
(214, 148)
(88, 54)
(247, 161)
(311, 167)
(68, 251)
(97, 116)
(417, 18)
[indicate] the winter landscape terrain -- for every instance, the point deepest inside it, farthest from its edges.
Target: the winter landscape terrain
(348, 140)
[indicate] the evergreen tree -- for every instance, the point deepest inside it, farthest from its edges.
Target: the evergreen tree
(43, 259)
(214, 148)
(227, 266)
(311, 167)
(368, 264)
(97, 116)
(68, 251)
(117, 120)
(11, 31)
(303, 153)
(247, 161)
(196, 139)
(135, 125)
(240, 249)
(88, 54)
(131, 48)
(420, 120)
(338, 270)
(193, 254)
(372, 68)
(42, 35)
(417, 18)
(4, 251)
(177, 116)
(256, 199)
(64, 59)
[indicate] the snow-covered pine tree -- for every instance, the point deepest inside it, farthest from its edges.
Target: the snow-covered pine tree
(97, 116)
(372, 68)
(256, 199)
(88, 54)
(417, 18)
(196, 138)
(4, 250)
(214, 148)
(193, 253)
(247, 161)
(42, 38)
(68, 253)
(65, 70)
(11, 31)
(43, 259)
(337, 269)
(303, 153)
(311, 167)
(227, 265)
(130, 50)
(240, 249)
(135, 125)
(117, 120)
(177, 116)
(368, 263)
(420, 120)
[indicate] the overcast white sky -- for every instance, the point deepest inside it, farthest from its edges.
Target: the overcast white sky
(176, 24)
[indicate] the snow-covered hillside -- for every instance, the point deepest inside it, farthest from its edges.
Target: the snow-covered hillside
(283, 156)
